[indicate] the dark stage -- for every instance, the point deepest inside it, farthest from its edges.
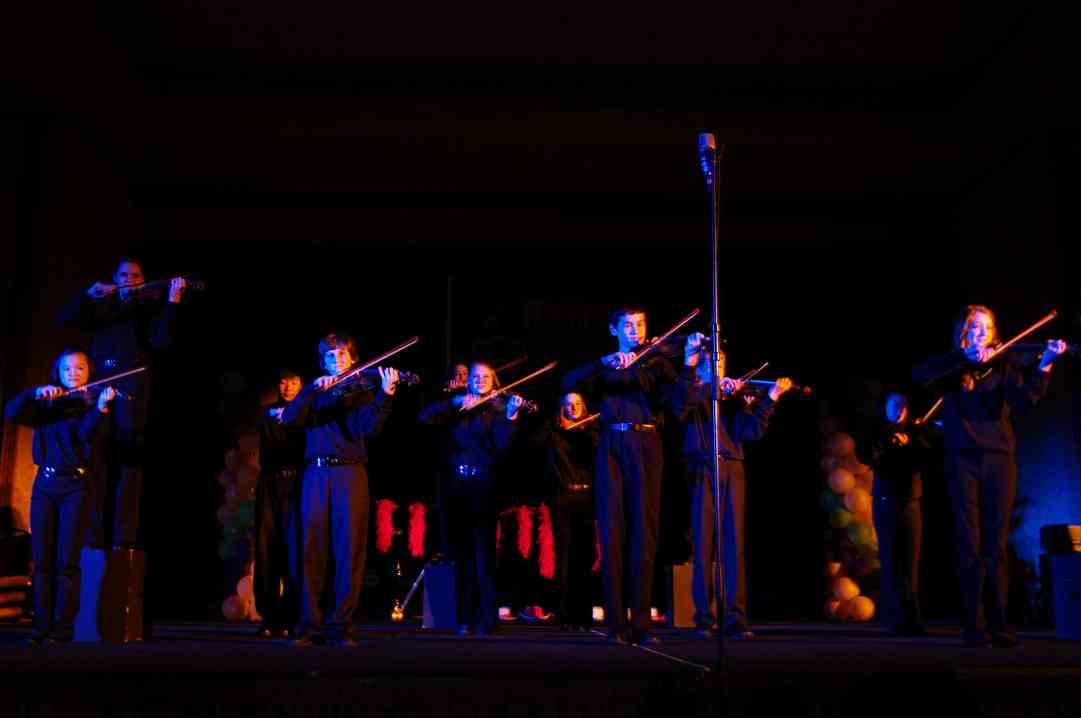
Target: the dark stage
(789, 669)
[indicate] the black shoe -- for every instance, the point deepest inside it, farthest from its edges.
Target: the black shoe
(1004, 640)
(738, 633)
(616, 638)
(704, 632)
(284, 633)
(305, 640)
(36, 640)
(465, 630)
(974, 640)
(346, 642)
(644, 638)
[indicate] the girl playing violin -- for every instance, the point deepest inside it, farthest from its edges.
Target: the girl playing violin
(980, 461)
(67, 425)
(334, 489)
(480, 431)
(742, 422)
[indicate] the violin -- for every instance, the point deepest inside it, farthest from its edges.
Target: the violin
(93, 389)
(153, 289)
(369, 378)
(763, 386)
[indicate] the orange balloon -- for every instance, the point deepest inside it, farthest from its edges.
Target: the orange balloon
(858, 501)
(233, 459)
(841, 480)
(244, 587)
(828, 463)
(861, 608)
(226, 478)
(234, 609)
(845, 589)
(833, 569)
(832, 605)
(839, 445)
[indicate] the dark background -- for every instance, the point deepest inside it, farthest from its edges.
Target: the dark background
(340, 167)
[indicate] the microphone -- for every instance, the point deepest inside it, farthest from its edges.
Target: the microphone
(707, 146)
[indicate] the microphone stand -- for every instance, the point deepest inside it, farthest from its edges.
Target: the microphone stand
(711, 161)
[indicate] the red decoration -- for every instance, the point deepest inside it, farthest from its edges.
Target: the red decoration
(546, 543)
(384, 524)
(596, 547)
(525, 530)
(417, 528)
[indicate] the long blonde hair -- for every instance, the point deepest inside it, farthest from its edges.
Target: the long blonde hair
(960, 329)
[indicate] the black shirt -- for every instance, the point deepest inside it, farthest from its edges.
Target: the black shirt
(478, 436)
(569, 453)
(980, 418)
(280, 446)
(691, 403)
(65, 429)
(337, 423)
(636, 395)
(124, 331)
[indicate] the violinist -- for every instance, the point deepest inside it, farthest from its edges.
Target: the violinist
(334, 489)
(741, 421)
(627, 483)
(900, 450)
(281, 459)
(459, 377)
(570, 444)
(480, 432)
(67, 426)
(125, 331)
(981, 389)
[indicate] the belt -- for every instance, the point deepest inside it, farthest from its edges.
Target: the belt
(324, 462)
(625, 426)
(468, 470)
(289, 473)
(577, 487)
(77, 472)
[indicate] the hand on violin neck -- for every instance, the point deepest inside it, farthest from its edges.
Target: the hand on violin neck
(780, 387)
(978, 354)
(1054, 348)
(107, 394)
(464, 401)
(324, 382)
(176, 289)
(389, 378)
(618, 360)
(693, 348)
(514, 403)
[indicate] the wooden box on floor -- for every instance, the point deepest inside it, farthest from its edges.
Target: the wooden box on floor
(111, 596)
(680, 600)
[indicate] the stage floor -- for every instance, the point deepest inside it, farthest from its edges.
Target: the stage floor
(192, 669)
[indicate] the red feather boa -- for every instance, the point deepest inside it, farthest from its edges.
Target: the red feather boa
(525, 530)
(417, 528)
(596, 547)
(384, 524)
(546, 543)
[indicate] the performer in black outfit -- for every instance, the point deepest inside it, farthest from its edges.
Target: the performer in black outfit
(478, 436)
(743, 418)
(277, 536)
(981, 467)
(127, 327)
(570, 454)
(334, 491)
(66, 430)
(627, 487)
(900, 450)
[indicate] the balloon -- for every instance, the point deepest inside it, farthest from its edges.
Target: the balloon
(226, 479)
(246, 514)
(832, 605)
(833, 569)
(223, 514)
(841, 480)
(233, 497)
(828, 463)
(861, 608)
(858, 501)
(840, 518)
(844, 610)
(247, 476)
(233, 459)
(829, 501)
(860, 533)
(839, 445)
(244, 587)
(845, 588)
(234, 609)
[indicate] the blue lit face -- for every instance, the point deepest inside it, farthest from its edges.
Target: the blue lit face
(630, 330)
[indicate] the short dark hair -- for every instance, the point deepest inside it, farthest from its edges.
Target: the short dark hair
(54, 373)
(615, 314)
(129, 259)
(336, 340)
(287, 373)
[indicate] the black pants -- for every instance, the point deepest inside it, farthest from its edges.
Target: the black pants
(334, 527)
(574, 536)
(116, 492)
(471, 516)
(733, 523)
(982, 487)
(627, 496)
(899, 524)
(277, 537)
(59, 506)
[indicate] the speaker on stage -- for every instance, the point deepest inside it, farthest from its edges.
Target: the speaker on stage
(440, 610)
(1066, 585)
(111, 596)
(680, 600)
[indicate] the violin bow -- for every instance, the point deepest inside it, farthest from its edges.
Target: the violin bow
(350, 373)
(503, 390)
(657, 341)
